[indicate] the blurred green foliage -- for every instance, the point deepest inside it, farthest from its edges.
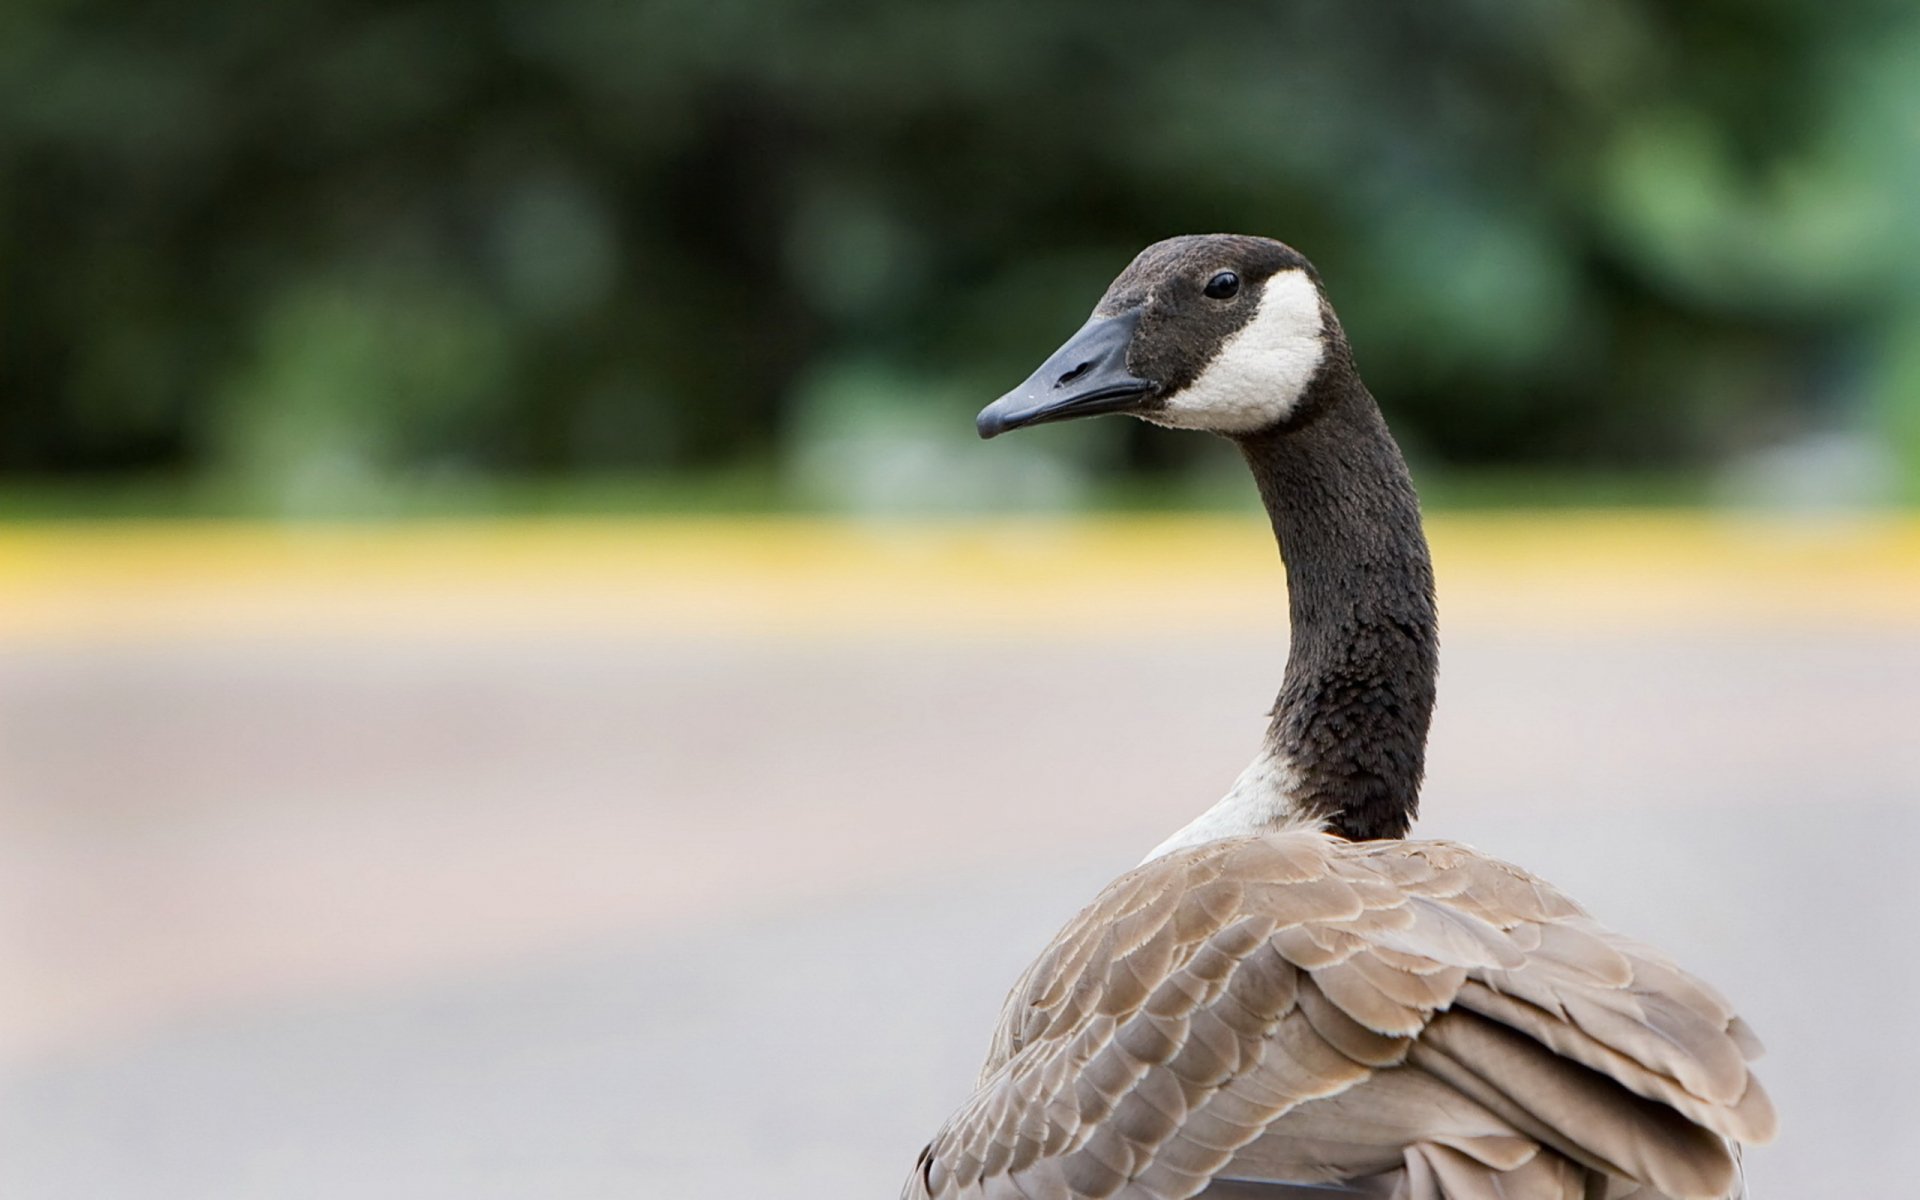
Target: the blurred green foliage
(311, 247)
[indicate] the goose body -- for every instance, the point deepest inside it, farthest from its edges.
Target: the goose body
(1287, 999)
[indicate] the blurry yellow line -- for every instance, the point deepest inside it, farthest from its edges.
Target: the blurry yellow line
(1102, 575)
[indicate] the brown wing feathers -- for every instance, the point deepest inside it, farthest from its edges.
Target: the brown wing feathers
(1294, 1007)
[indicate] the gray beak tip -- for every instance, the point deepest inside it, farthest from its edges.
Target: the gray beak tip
(994, 420)
(1086, 376)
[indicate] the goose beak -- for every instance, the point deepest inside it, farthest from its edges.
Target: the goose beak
(1088, 375)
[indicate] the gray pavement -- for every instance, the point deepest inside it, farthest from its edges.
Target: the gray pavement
(724, 918)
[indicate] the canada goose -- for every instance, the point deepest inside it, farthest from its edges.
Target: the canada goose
(1285, 999)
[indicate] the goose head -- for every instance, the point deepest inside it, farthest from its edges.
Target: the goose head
(1215, 332)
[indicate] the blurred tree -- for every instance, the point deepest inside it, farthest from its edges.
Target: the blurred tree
(312, 240)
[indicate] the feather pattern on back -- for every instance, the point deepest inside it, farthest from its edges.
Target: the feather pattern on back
(1390, 1018)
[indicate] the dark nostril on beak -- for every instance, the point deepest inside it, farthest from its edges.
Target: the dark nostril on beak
(1074, 374)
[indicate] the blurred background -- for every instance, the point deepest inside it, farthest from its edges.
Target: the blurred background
(516, 678)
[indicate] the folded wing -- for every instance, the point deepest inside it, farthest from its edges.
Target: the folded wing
(1350, 1019)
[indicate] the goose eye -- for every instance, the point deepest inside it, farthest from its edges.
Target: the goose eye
(1223, 286)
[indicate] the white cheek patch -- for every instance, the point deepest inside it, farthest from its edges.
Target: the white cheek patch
(1257, 377)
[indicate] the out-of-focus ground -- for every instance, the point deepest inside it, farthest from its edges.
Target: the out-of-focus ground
(694, 860)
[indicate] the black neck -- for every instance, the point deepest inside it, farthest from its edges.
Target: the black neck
(1354, 707)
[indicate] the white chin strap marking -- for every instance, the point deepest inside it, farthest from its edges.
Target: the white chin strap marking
(1257, 377)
